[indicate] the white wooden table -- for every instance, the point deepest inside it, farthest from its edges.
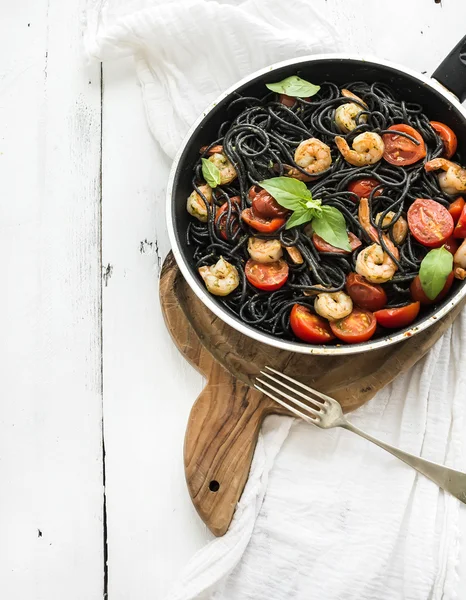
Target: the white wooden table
(92, 390)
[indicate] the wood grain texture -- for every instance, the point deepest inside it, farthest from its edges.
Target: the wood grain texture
(51, 500)
(226, 418)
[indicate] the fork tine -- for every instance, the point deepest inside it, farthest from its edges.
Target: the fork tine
(287, 406)
(305, 387)
(305, 407)
(288, 387)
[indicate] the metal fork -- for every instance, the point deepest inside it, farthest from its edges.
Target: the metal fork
(325, 412)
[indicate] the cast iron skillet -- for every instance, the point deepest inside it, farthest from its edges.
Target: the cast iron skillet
(438, 96)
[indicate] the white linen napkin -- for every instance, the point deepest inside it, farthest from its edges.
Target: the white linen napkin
(324, 515)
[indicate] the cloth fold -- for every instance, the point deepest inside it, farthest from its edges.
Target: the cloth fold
(325, 515)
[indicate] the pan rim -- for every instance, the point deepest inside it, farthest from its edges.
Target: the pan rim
(222, 313)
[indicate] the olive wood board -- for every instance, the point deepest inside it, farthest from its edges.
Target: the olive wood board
(226, 418)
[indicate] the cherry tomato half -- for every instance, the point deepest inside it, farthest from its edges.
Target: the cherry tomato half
(323, 246)
(430, 222)
(449, 139)
(456, 208)
(460, 229)
(268, 277)
(288, 101)
(364, 187)
(358, 326)
(264, 205)
(400, 150)
(393, 318)
(364, 294)
(451, 245)
(309, 327)
(261, 224)
(418, 294)
(221, 222)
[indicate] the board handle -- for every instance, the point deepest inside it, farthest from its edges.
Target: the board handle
(221, 436)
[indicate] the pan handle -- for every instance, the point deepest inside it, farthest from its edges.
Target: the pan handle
(452, 71)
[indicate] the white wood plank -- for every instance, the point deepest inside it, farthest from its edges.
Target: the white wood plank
(148, 387)
(51, 495)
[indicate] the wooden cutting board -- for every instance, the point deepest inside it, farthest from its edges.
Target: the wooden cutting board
(226, 418)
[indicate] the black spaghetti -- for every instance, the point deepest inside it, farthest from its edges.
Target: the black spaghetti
(274, 137)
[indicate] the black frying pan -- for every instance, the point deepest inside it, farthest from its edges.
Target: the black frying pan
(438, 95)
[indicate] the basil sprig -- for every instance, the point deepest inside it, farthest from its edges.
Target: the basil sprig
(435, 268)
(294, 86)
(328, 222)
(211, 173)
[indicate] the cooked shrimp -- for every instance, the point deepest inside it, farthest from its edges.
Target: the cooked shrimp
(333, 305)
(220, 279)
(227, 170)
(196, 205)
(368, 148)
(364, 219)
(375, 265)
(459, 262)
(400, 228)
(295, 255)
(346, 114)
(264, 251)
(313, 156)
(453, 181)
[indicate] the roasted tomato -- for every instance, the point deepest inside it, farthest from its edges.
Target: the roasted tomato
(364, 294)
(400, 150)
(460, 229)
(267, 276)
(264, 205)
(449, 139)
(364, 187)
(451, 245)
(394, 318)
(359, 326)
(323, 246)
(221, 221)
(456, 208)
(417, 293)
(309, 327)
(261, 224)
(430, 222)
(288, 101)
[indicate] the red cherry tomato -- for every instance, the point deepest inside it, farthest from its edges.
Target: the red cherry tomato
(418, 294)
(449, 139)
(460, 229)
(221, 222)
(393, 318)
(289, 101)
(358, 326)
(323, 246)
(400, 150)
(268, 277)
(309, 327)
(430, 222)
(364, 294)
(261, 224)
(264, 205)
(364, 187)
(451, 245)
(456, 208)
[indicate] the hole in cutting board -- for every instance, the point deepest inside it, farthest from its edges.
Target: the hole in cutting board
(214, 486)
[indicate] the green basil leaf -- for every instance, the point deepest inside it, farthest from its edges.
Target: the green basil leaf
(330, 225)
(294, 86)
(290, 193)
(299, 217)
(211, 173)
(435, 268)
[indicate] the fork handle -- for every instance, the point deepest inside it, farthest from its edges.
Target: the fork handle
(449, 480)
